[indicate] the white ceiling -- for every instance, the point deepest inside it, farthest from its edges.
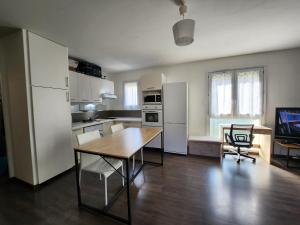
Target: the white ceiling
(123, 35)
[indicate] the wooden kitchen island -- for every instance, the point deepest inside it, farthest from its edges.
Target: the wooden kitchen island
(121, 145)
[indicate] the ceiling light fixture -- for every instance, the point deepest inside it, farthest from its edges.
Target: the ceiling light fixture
(183, 30)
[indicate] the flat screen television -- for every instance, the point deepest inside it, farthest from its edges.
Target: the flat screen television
(287, 124)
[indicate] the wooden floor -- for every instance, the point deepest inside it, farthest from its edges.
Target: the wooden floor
(187, 190)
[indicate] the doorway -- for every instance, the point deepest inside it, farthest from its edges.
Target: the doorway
(3, 152)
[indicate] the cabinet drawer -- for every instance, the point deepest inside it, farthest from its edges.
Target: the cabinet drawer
(93, 128)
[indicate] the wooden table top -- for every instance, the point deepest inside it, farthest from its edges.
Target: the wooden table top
(122, 144)
(256, 129)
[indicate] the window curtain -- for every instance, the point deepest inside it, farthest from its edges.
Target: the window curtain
(221, 94)
(249, 93)
(131, 95)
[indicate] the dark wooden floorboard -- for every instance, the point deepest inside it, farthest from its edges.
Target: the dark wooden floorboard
(186, 190)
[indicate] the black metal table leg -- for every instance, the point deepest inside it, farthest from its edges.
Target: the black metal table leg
(162, 148)
(77, 179)
(288, 156)
(128, 191)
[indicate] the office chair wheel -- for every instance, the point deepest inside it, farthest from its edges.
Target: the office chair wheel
(238, 161)
(223, 155)
(254, 160)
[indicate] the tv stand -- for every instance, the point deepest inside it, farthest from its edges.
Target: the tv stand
(289, 141)
(288, 147)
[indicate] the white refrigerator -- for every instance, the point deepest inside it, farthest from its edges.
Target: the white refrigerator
(52, 122)
(175, 117)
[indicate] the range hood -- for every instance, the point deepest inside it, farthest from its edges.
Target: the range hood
(108, 96)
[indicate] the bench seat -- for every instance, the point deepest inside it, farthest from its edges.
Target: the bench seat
(205, 146)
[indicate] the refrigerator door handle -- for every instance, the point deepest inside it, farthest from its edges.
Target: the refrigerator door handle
(67, 81)
(67, 96)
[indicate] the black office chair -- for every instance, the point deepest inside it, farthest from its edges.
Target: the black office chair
(240, 136)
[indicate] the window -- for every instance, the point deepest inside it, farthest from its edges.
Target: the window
(131, 95)
(249, 93)
(221, 94)
(236, 96)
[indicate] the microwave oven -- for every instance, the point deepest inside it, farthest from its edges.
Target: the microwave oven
(152, 99)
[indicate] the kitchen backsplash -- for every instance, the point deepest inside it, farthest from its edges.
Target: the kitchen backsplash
(120, 113)
(80, 116)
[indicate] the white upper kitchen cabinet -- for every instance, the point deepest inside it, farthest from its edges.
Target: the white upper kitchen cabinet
(95, 88)
(84, 87)
(107, 87)
(152, 82)
(74, 92)
(51, 70)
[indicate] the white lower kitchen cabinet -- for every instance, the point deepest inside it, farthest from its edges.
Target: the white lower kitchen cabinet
(155, 143)
(175, 138)
(107, 128)
(131, 124)
(53, 138)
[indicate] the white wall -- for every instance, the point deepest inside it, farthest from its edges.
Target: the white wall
(282, 75)
(16, 115)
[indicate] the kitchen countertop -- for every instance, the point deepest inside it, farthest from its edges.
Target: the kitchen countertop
(128, 119)
(79, 125)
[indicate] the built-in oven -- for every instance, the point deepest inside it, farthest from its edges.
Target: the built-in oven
(152, 99)
(152, 115)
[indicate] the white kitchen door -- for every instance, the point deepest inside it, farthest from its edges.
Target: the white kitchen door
(52, 130)
(175, 138)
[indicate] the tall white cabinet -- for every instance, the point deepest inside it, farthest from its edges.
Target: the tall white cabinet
(39, 104)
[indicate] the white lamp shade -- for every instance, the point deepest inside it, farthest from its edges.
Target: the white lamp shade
(183, 32)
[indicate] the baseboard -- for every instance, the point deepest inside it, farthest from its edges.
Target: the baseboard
(37, 187)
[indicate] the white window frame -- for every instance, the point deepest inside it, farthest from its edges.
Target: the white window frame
(138, 95)
(234, 106)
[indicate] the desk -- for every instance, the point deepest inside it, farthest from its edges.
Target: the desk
(121, 145)
(265, 146)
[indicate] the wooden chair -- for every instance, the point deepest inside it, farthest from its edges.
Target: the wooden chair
(96, 164)
(118, 127)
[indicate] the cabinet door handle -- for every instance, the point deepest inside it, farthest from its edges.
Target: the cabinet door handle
(67, 96)
(150, 88)
(67, 81)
